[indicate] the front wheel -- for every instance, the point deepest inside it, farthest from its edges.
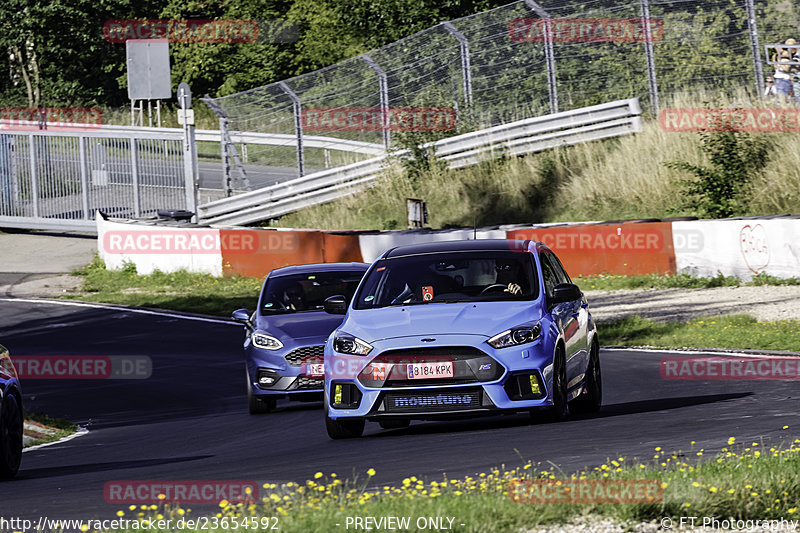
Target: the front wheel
(591, 400)
(560, 409)
(11, 428)
(344, 428)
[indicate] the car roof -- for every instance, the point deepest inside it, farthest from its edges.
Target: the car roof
(318, 267)
(479, 245)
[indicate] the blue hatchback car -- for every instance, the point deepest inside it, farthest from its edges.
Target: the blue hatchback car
(11, 417)
(285, 336)
(460, 328)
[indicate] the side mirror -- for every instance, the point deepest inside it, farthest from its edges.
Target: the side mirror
(336, 305)
(243, 316)
(566, 292)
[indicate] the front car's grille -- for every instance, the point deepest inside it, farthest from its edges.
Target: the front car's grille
(306, 354)
(470, 365)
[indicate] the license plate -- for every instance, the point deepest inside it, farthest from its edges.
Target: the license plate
(315, 370)
(430, 370)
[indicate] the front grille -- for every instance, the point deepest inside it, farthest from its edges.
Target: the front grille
(431, 401)
(301, 355)
(304, 383)
(470, 365)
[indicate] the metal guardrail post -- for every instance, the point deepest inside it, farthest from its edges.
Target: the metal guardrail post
(383, 87)
(34, 176)
(549, 54)
(758, 69)
(465, 67)
(137, 205)
(298, 125)
(190, 172)
(84, 177)
(227, 183)
(648, 50)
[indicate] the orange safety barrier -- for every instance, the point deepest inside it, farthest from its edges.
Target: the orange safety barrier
(255, 252)
(591, 249)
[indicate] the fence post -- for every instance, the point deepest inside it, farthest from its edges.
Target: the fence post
(758, 69)
(298, 125)
(137, 206)
(84, 177)
(648, 50)
(549, 53)
(227, 184)
(34, 175)
(465, 68)
(384, 94)
(190, 166)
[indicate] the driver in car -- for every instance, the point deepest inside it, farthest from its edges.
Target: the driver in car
(508, 274)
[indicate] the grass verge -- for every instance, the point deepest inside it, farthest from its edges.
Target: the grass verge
(742, 481)
(730, 331)
(53, 430)
(610, 282)
(178, 291)
(620, 178)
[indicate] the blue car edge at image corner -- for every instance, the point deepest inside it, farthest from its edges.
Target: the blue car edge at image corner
(11, 417)
(285, 335)
(459, 329)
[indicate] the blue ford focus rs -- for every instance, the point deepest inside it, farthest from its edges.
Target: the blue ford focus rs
(460, 328)
(285, 336)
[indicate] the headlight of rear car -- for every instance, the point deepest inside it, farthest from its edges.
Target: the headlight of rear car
(267, 342)
(521, 334)
(345, 343)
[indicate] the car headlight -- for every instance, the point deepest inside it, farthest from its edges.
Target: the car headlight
(267, 342)
(521, 334)
(345, 343)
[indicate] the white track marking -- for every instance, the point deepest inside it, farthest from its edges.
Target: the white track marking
(80, 433)
(121, 309)
(700, 352)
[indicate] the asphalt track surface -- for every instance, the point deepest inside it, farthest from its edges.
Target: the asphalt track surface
(189, 421)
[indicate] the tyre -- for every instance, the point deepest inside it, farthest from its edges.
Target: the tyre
(394, 424)
(591, 400)
(344, 428)
(560, 409)
(11, 427)
(256, 405)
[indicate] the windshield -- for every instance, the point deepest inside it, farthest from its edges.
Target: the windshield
(307, 292)
(449, 277)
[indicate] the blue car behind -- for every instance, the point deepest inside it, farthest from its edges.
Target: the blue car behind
(460, 328)
(285, 336)
(11, 417)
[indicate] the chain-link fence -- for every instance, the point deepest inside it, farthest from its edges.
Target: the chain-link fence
(520, 60)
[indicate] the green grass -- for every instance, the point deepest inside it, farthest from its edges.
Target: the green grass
(731, 331)
(178, 291)
(610, 282)
(64, 427)
(740, 481)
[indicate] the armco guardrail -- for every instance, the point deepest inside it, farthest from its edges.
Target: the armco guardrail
(524, 136)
